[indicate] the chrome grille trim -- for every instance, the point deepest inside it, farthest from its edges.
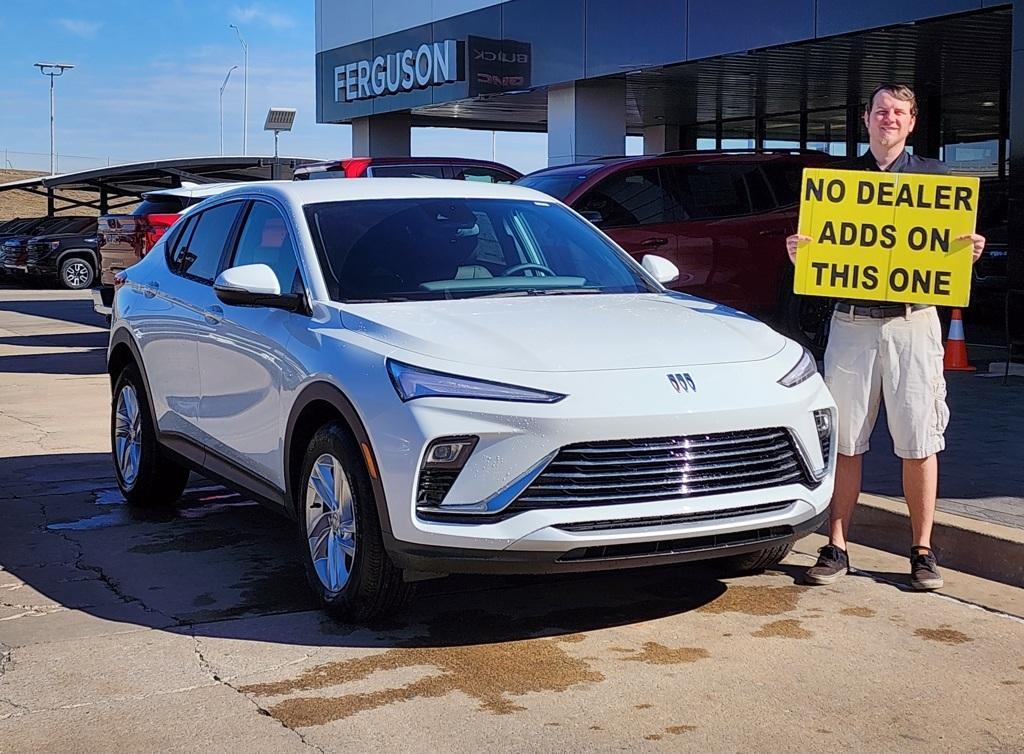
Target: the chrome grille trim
(666, 468)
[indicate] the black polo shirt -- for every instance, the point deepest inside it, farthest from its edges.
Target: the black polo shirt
(905, 163)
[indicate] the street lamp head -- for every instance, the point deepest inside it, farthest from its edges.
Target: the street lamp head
(53, 69)
(280, 119)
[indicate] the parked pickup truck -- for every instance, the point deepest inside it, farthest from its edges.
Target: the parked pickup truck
(68, 257)
(15, 246)
(125, 239)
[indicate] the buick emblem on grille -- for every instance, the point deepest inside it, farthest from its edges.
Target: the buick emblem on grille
(683, 383)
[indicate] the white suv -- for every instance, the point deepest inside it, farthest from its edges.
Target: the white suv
(436, 376)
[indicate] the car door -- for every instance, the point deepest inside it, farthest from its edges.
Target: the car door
(634, 207)
(170, 348)
(243, 353)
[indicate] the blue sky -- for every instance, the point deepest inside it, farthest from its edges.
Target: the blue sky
(147, 79)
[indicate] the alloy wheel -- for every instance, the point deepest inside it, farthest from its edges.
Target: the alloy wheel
(77, 274)
(128, 434)
(330, 523)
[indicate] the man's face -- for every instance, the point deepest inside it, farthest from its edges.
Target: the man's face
(889, 122)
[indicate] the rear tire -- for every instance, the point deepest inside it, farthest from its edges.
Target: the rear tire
(754, 562)
(146, 477)
(346, 564)
(76, 273)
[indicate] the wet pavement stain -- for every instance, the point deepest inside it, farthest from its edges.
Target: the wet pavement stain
(658, 654)
(642, 706)
(858, 612)
(652, 737)
(944, 635)
(203, 600)
(482, 655)
(784, 629)
(678, 730)
(756, 600)
(596, 727)
(1010, 683)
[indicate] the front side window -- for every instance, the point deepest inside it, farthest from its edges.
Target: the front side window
(265, 240)
(423, 249)
(199, 257)
(628, 198)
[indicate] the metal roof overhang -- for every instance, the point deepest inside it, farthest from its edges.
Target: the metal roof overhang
(122, 185)
(956, 57)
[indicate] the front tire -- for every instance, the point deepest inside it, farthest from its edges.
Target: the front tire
(76, 274)
(346, 564)
(754, 562)
(145, 476)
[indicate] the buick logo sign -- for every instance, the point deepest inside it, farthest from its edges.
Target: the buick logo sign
(683, 383)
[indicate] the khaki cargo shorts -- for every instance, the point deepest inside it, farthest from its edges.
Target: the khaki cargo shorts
(898, 360)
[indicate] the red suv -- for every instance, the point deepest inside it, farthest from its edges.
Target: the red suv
(721, 217)
(456, 168)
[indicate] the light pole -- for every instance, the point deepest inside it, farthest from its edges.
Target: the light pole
(222, 87)
(245, 90)
(52, 70)
(278, 119)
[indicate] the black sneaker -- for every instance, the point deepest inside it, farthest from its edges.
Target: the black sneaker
(924, 569)
(832, 564)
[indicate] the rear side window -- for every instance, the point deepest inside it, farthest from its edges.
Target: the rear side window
(711, 191)
(164, 205)
(481, 174)
(406, 171)
(265, 239)
(784, 178)
(199, 256)
(630, 197)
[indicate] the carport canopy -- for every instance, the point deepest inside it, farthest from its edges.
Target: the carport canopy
(106, 189)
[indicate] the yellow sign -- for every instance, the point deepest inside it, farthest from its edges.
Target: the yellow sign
(886, 236)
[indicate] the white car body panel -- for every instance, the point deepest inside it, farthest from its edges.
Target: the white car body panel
(610, 355)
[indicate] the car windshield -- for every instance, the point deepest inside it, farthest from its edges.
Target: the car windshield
(424, 249)
(558, 184)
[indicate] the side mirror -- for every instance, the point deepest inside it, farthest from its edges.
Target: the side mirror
(660, 268)
(592, 216)
(255, 285)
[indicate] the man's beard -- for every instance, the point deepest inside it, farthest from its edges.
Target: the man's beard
(888, 138)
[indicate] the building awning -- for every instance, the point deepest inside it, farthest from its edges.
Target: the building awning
(105, 189)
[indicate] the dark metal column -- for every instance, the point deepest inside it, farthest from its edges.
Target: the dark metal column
(1015, 260)
(927, 136)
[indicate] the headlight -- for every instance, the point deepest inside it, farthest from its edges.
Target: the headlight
(804, 370)
(414, 382)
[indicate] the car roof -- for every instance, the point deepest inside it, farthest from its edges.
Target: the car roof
(314, 192)
(202, 189)
(683, 157)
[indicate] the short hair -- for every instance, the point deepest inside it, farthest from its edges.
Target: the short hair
(899, 91)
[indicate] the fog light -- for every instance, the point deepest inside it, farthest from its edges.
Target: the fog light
(823, 424)
(442, 462)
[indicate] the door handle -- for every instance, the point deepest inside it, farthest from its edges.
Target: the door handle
(650, 243)
(213, 314)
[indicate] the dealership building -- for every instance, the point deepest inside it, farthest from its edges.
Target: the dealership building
(684, 74)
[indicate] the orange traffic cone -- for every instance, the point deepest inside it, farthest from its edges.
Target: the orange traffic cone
(955, 357)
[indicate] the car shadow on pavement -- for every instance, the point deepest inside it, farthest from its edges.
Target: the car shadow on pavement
(218, 564)
(76, 311)
(93, 339)
(78, 363)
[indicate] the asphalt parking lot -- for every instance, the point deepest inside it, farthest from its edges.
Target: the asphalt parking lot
(190, 630)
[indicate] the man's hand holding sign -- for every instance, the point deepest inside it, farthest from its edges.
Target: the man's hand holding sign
(886, 236)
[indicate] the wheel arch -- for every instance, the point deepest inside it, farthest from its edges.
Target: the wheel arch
(317, 405)
(85, 253)
(124, 352)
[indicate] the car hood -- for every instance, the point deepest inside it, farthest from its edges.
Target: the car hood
(568, 333)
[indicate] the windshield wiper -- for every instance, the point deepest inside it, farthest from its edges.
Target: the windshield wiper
(540, 292)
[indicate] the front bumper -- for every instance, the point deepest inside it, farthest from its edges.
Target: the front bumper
(602, 406)
(446, 560)
(103, 300)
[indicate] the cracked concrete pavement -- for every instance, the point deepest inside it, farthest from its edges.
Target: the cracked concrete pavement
(190, 629)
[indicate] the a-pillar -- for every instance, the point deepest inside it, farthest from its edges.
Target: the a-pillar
(1015, 230)
(386, 135)
(586, 119)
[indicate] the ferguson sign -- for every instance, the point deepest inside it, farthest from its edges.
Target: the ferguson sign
(428, 65)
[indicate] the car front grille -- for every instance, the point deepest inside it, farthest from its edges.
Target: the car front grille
(666, 468)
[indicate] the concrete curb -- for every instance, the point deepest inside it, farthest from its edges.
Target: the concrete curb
(979, 548)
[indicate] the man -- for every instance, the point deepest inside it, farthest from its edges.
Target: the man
(892, 352)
